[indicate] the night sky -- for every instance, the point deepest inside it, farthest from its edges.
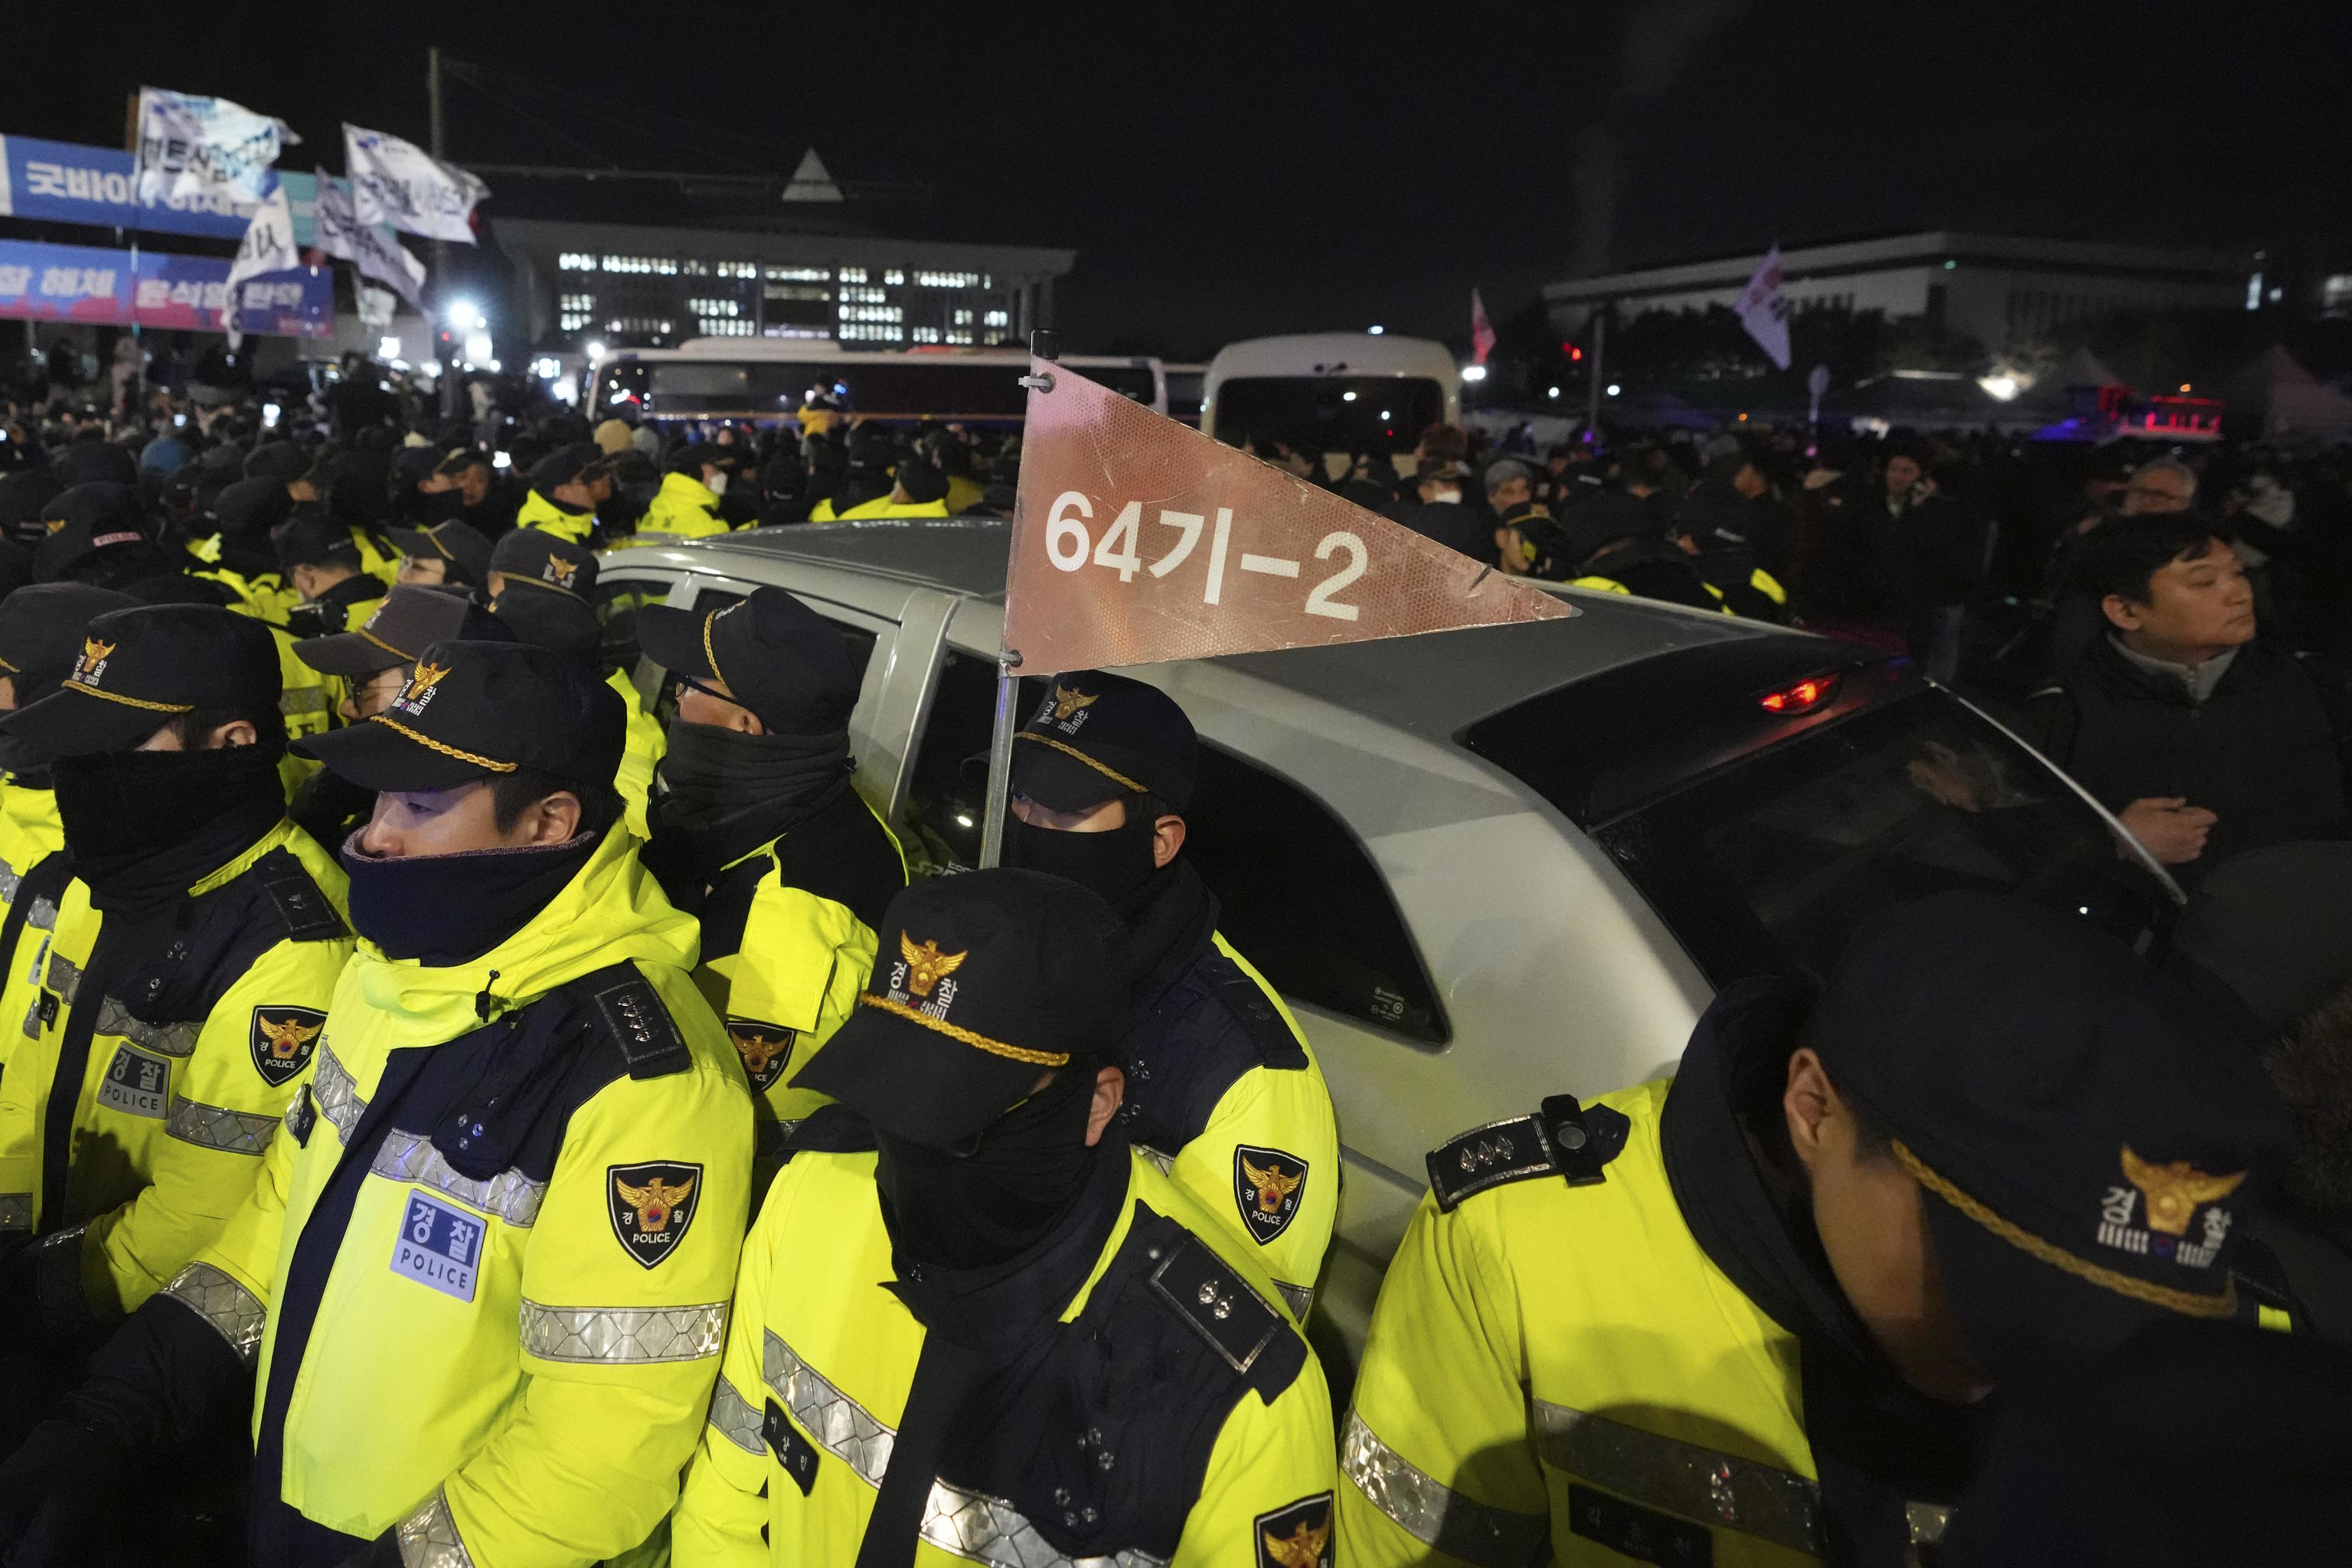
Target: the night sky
(1229, 171)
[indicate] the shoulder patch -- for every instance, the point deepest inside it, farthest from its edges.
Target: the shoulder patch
(1268, 1185)
(1563, 1139)
(652, 1205)
(766, 1050)
(1216, 1302)
(1295, 1536)
(282, 1039)
(301, 907)
(1256, 1011)
(635, 1017)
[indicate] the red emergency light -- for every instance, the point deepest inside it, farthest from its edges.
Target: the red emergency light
(1806, 695)
(1574, 352)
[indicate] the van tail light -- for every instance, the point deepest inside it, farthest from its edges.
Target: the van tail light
(1802, 697)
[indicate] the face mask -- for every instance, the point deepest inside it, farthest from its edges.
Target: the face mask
(717, 483)
(994, 1204)
(1117, 864)
(143, 823)
(443, 909)
(1447, 498)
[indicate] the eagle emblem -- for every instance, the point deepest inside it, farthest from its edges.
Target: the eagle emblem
(560, 570)
(765, 1049)
(926, 965)
(652, 1205)
(94, 652)
(282, 1040)
(2173, 1191)
(1068, 701)
(427, 677)
(1298, 1536)
(1268, 1184)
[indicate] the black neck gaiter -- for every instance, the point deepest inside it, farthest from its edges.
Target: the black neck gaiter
(445, 910)
(979, 1211)
(729, 793)
(144, 827)
(1117, 864)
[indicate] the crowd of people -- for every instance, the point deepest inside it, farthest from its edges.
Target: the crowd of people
(456, 1110)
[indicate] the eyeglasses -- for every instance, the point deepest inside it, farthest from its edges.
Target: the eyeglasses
(686, 681)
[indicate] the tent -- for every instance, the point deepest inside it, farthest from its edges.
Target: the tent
(2071, 388)
(2272, 398)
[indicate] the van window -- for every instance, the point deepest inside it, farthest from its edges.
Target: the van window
(1328, 413)
(1303, 902)
(617, 602)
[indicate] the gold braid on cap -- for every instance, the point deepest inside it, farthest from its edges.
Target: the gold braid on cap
(1117, 778)
(711, 652)
(405, 656)
(131, 701)
(965, 1037)
(447, 751)
(10, 667)
(2186, 1302)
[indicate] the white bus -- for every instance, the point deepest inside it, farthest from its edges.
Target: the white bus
(767, 380)
(1331, 393)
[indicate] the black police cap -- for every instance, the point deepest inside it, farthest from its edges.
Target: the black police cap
(251, 508)
(540, 560)
(316, 539)
(94, 463)
(85, 520)
(465, 554)
(411, 619)
(777, 656)
(923, 481)
(278, 460)
(583, 460)
(477, 710)
(137, 670)
(2092, 1136)
(41, 628)
(1094, 737)
(983, 984)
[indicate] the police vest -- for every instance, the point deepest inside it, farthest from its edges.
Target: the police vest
(1175, 1415)
(643, 746)
(1556, 1367)
(538, 512)
(685, 507)
(1224, 1096)
(485, 1272)
(34, 872)
(157, 1055)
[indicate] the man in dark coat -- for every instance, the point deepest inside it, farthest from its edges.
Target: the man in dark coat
(2202, 740)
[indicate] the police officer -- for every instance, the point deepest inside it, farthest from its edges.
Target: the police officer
(686, 505)
(464, 486)
(448, 553)
(1751, 1315)
(760, 834)
(1023, 1343)
(41, 627)
(320, 561)
(485, 1271)
(182, 992)
(1221, 1087)
(538, 588)
(567, 485)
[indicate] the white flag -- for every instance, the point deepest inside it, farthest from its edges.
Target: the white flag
(195, 147)
(376, 254)
(269, 246)
(1762, 310)
(400, 184)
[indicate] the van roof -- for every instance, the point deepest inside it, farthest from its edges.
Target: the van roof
(1332, 353)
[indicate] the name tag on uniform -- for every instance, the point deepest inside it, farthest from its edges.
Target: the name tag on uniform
(438, 1246)
(137, 1084)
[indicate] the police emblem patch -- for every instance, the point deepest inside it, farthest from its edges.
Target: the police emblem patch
(282, 1040)
(439, 1245)
(766, 1050)
(652, 1205)
(1268, 1184)
(1298, 1536)
(136, 1084)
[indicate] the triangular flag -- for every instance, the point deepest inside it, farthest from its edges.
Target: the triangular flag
(1481, 331)
(811, 182)
(267, 246)
(1137, 539)
(1763, 311)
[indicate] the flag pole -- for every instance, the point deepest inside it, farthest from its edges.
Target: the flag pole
(1008, 680)
(134, 395)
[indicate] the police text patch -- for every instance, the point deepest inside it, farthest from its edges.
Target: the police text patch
(766, 1050)
(136, 1083)
(1269, 1184)
(439, 1245)
(1298, 1536)
(651, 1206)
(282, 1039)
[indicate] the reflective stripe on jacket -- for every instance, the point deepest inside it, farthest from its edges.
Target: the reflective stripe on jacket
(1209, 1464)
(171, 1115)
(504, 1349)
(30, 834)
(1561, 1370)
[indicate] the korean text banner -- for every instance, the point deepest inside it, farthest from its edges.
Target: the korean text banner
(79, 283)
(65, 181)
(1137, 540)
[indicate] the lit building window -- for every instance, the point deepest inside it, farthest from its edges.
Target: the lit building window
(999, 319)
(947, 279)
(955, 337)
(963, 318)
(800, 275)
(715, 307)
(926, 334)
(894, 277)
(853, 275)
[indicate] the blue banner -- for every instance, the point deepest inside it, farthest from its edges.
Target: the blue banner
(63, 182)
(101, 288)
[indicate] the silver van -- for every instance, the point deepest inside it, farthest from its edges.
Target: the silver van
(1486, 866)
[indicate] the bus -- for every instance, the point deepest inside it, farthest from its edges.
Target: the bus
(1331, 395)
(767, 380)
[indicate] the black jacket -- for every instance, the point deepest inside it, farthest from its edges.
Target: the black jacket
(2269, 753)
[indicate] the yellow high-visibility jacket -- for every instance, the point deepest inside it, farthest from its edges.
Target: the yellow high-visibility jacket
(684, 506)
(30, 834)
(642, 745)
(1560, 1370)
(180, 1045)
(1177, 1414)
(485, 1274)
(538, 512)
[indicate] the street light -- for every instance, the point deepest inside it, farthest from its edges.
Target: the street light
(1474, 373)
(463, 317)
(595, 353)
(1377, 331)
(1612, 389)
